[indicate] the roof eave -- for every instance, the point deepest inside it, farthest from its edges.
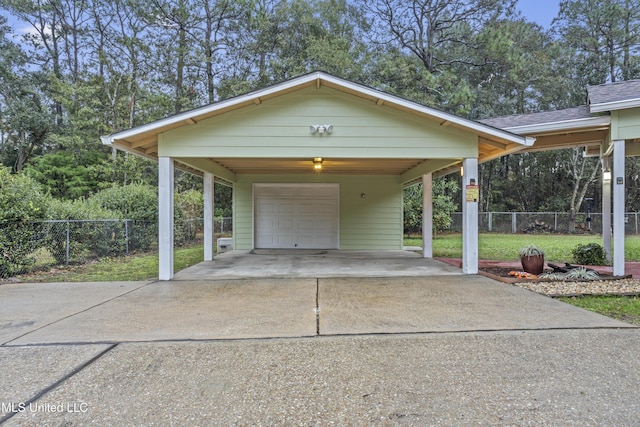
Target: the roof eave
(616, 105)
(574, 124)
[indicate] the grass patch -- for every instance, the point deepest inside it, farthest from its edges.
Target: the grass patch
(626, 309)
(504, 247)
(141, 267)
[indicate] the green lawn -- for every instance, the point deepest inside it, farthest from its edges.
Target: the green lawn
(142, 267)
(504, 247)
(626, 309)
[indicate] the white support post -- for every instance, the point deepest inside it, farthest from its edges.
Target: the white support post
(209, 234)
(165, 217)
(618, 207)
(427, 216)
(469, 217)
(606, 207)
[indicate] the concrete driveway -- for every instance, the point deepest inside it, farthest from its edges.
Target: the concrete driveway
(446, 349)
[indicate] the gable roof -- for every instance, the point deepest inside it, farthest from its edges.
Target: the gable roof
(614, 96)
(143, 140)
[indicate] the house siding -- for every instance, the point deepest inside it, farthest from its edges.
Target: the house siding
(373, 222)
(279, 127)
(625, 124)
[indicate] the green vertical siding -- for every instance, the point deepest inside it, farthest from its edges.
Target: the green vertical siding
(370, 223)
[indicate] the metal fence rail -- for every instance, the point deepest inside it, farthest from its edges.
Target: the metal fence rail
(26, 246)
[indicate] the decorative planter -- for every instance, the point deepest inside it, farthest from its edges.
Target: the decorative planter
(533, 264)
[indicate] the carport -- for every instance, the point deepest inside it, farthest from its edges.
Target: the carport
(317, 162)
(608, 128)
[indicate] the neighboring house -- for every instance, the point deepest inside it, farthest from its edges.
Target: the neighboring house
(319, 162)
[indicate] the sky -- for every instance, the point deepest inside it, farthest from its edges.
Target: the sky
(539, 11)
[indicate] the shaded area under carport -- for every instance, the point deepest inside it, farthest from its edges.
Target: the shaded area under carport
(261, 263)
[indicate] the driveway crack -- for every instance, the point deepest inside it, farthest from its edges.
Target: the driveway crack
(317, 309)
(8, 343)
(60, 381)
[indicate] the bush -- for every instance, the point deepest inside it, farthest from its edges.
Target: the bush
(22, 205)
(189, 205)
(443, 206)
(589, 254)
(137, 202)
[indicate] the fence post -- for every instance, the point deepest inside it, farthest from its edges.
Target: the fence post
(514, 227)
(126, 236)
(490, 225)
(67, 246)
(555, 221)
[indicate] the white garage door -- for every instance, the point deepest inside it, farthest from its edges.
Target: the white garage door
(302, 216)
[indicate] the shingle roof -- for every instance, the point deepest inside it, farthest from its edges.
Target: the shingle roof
(516, 120)
(614, 92)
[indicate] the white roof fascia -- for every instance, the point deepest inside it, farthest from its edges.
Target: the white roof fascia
(441, 115)
(560, 126)
(616, 105)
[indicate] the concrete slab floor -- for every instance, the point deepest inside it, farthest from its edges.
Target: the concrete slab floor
(577, 377)
(312, 263)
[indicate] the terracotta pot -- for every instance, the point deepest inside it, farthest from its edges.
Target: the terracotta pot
(533, 264)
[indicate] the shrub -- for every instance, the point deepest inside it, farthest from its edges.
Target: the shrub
(137, 202)
(22, 206)
(589, 254)
(443, 206)
(189, 205)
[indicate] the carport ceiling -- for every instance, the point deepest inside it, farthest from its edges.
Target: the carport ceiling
(329, 166)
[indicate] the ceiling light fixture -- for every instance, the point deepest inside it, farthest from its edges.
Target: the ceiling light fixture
(317, 164)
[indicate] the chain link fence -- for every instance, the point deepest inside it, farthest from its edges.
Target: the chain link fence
(28, 246)
(543, 222)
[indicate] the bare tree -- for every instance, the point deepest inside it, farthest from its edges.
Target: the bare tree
(433, 30)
